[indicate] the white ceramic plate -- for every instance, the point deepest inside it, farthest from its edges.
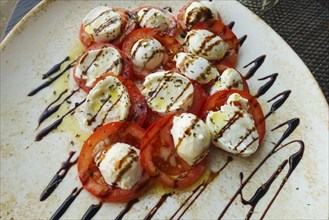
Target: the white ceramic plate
(50, 32)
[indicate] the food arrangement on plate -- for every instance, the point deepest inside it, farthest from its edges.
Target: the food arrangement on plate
(157, 91)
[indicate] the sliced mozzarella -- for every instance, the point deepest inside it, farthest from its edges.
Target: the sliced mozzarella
(191, 137)
(205, 44)
(230, 79)
(233, 128)
(195, 67)
(167, 92)
(119, 165)
(147, 53)
(103, 24)
(199, 11)
(153, 18)
(108, 101)
(95, 63)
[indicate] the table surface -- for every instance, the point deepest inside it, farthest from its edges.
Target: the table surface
(303, 24)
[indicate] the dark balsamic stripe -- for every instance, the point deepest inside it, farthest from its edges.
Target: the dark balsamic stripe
(66, 204)
(232, 120)
(106, 24)
(145, 11)
(129, 205)
(49, 111)
(263, 89)
(231, 25)
(92, 211)
(92, 62)
(283, 97)
(292, 125)
(180, 95)
(169, 9)
(56, 123)
(157, 206)
(200, 187)
(293, 162)
(256, 64)
(242, 39)
(97, 17)
(50, 80)
(59, 176)
(55, 68)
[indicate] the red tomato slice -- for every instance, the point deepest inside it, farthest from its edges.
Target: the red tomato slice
(255, 110)
(89, 174)
(219, 28)
(173, 24)
(199, 99)
(138, 107)
(127, 26)
(181, 15)
(161, 161)
(170, 44)
(127, 66)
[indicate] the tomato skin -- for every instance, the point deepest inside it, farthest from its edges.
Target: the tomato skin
(127, 26)
(89, 174)
(173, 23)
(181, 13)
(161, 161)
(217, 27)
(219, 99)
(127, 65)
(199, 99)
(170, 44)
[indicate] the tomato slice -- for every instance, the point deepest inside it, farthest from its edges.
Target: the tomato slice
(128, 24)
(89, 174)
(160, 160)
(199, 99)
(219, 28)
(170, 44)
(181, 15)
(127, 66)
(138, 108)
(173, 24)
(219, 99)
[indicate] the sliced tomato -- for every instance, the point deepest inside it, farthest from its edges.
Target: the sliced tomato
(160, 160)
(89, 174)
(127, 66)
(128, 24)
(199, 99)
(170, 44)
(181, 17)
(173, 24)
(255, 110)
(138, 107)
(219, 28)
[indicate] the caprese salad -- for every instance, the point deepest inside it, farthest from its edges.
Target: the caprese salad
(156, 103)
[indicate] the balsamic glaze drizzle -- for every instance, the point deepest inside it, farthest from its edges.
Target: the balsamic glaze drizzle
(263, 89)
(50, 80)
(59, 176)
(242, 39)
(126, 209)
(199, 190)
(91, 212)
(292, 125)
(277, 104)
(56, 123)
(256, 64)
(66, 204)
(168, 9)
(157, 206)
(231, 25)
(51, 110)
(55, 68)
